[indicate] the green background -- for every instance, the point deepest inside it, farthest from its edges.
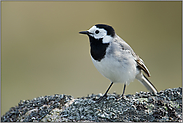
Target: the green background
(43, 53)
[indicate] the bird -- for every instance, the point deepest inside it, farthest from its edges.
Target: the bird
(115, 59)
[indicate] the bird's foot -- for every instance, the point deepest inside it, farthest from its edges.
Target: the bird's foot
(101, 98)
(120, 98)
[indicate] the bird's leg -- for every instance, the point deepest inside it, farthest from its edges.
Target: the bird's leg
(123, 90)
(122, 96)
(105, 95)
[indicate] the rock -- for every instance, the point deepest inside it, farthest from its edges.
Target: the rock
(165, 106)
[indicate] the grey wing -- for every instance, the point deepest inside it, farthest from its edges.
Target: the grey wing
(124, 45)
(140, 63)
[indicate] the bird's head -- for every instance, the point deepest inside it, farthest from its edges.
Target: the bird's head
(101, 32)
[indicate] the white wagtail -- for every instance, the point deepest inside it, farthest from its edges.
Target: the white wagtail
(115, 59)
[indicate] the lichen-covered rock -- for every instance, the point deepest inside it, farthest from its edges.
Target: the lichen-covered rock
(142, 107)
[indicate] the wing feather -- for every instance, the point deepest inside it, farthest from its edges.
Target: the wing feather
(140, 63)
(142, 66)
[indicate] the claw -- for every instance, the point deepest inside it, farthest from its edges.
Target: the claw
(121, 98)
(101, 98)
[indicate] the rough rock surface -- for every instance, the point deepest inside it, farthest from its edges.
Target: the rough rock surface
(142, 107)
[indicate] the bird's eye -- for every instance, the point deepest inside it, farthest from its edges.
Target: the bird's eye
(96, 32)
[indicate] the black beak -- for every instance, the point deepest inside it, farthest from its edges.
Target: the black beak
(85, 32)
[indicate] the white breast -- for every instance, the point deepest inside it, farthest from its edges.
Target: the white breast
(118, 67)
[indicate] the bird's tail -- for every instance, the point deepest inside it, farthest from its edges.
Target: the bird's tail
(143, 79)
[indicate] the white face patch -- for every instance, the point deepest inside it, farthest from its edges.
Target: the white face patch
(107, 39)
(99, 33)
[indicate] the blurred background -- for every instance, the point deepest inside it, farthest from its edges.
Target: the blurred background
(43, 53)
